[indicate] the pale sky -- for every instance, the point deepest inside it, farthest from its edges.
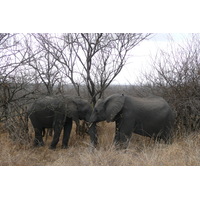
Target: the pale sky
(142, 54)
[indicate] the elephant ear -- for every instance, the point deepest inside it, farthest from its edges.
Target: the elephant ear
(113, 105)
(72, 110)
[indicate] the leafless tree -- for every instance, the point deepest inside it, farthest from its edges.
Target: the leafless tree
(92, 59)
(44, 65)
(12, 56)
(104, 57)
(176, 77)
(14, 84)
(60, 61)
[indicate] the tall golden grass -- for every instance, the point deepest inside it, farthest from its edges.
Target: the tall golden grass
(142, 151)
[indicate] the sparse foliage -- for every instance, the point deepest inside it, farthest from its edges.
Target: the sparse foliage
(101, 57)
(93, 60)
(13, 84)
(32, 65)
(176, 77)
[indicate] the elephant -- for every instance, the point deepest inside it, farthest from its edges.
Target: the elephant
(149, 116)
(57, 112)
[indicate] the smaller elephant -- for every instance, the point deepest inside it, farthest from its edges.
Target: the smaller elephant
(150, 117)
(57, 112)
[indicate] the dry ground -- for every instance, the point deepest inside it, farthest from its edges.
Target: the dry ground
(141, 152)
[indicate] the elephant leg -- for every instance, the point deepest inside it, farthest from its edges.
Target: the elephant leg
(38, 141)
(123, 133)
(117, 135)
(56, 136)
(59, 122)
(167, 137)
(67, 132)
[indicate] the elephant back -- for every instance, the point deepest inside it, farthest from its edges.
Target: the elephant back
(46, 103)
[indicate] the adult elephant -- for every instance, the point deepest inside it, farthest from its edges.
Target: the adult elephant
(57, 112)
(150, 117)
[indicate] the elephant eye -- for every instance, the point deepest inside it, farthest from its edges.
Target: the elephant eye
(95, 110)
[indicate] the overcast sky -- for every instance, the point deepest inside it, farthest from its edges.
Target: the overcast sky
(142, 54)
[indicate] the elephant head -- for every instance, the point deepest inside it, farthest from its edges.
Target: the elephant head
(107, 109)
(77, 108)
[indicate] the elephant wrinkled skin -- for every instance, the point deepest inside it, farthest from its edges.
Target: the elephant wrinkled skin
(150, 117)
(57, 112)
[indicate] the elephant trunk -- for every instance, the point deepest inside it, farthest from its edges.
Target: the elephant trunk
(92, 131)
(92, 118)
(87, 117)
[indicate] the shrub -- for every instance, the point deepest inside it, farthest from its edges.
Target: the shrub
(176, 77)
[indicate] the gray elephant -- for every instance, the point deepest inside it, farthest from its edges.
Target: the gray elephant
(150, 117)
(57, 112)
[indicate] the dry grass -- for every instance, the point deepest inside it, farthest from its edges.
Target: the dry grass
(141, 152)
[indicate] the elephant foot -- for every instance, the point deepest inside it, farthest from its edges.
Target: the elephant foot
(52, 147)
(38, 143)
(121, 145)
(64, 147)
(93, 145)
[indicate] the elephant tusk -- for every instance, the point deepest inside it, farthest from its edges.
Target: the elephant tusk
(90, 125)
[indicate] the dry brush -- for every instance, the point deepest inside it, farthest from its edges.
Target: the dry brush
(142, 151)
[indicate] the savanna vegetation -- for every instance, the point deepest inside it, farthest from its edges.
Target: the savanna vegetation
(34, 65)
(142, 151)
